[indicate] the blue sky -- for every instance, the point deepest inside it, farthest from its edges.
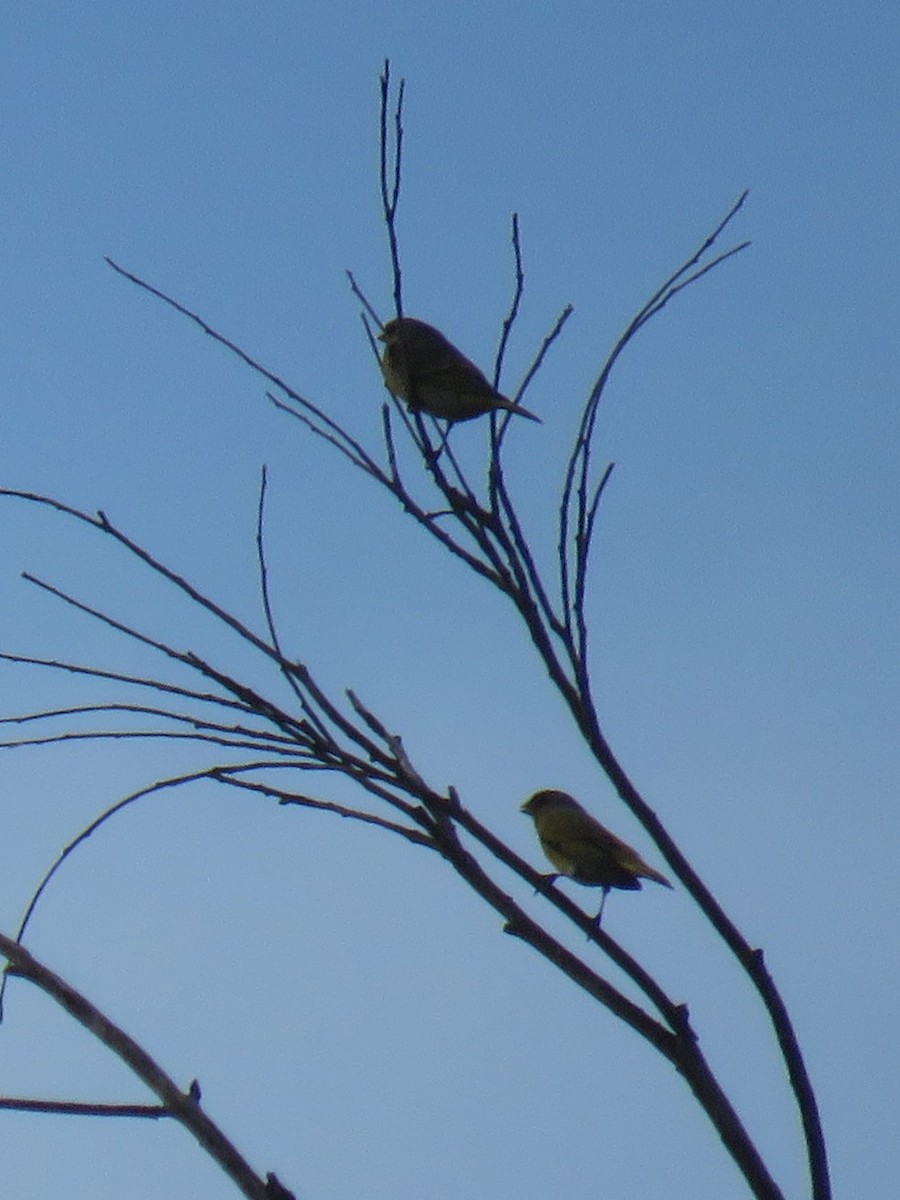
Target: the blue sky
(356, 1019)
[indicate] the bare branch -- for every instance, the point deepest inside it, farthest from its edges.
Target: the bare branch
(83, 1108)
(278, 741)
(157, 685)
(580, 658)
(341, 810)
(213, 773)
(245, 694)
(287, 674)
(364, 300)
(119, 735)
(488, 536)
(390, 175)
(577, 481)
(545, 345)
(515, 302)
(183, 1106)
(315, 413)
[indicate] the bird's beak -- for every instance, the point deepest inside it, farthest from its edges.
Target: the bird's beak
(381, 336)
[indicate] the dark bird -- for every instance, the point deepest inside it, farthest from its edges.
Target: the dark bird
(583, 849)
(421, 367)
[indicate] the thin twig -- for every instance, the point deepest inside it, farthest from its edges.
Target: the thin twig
(83, 1108)
(355, 814)
(214, 773)
(157, 685)
(391, 174)
(515, 303)
(307, 405)
(288, 675)
(364, 300)
(278, 740)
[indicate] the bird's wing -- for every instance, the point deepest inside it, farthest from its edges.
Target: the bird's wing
(457, 373)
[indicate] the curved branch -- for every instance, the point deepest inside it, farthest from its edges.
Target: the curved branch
(214, 773)
(576, 487)
(750, 958)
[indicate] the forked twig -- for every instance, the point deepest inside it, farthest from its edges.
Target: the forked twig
(184, 1107)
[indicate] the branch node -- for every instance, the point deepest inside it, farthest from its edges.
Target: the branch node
(276, 1189)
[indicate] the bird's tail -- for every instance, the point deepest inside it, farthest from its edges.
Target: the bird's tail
(658, 877)
(510, 406)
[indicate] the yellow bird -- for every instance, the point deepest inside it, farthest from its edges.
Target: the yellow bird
(583, 849)
(423, 368)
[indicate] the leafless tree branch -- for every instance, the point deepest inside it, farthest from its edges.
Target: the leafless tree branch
(478, 523)
(184, 1107)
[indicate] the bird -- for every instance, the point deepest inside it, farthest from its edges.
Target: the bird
(426, 370)
(584, 850)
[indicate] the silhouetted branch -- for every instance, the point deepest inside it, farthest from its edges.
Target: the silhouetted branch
(354, 814)
(365, 751)
(184, 1107)
(515, 302)
(214, 773)
(479, 524)
(391, 160)
(199, 723)
(576, 489)
(364, 300)
(82, 1108)
(156, 685)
